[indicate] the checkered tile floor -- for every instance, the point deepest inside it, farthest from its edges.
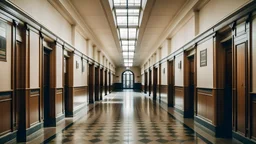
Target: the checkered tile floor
(127, 118)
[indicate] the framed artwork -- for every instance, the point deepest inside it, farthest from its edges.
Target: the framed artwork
(203, 58)
(3, 50)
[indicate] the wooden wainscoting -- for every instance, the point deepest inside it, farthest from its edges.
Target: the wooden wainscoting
(163, 93)
(80, 96)
(253, 95)
(205, 105)
(5, 112)
(179, 97)
(158, 93)
(59, 102)
(34, 107)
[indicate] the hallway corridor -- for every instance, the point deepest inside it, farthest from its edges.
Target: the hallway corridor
(127, 117)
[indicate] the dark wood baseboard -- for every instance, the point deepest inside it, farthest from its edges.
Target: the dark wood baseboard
(9, 137)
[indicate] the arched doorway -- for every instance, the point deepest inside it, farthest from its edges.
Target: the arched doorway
(128, 79)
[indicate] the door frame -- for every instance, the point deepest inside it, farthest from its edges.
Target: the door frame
(123, 79)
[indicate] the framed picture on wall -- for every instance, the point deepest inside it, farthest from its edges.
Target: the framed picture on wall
(203, 58)
(2, 41)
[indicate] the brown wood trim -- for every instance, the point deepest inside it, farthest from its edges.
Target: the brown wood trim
(179, 86)
(253, 96)
(205, 92)
(5, 99)
(7, 93)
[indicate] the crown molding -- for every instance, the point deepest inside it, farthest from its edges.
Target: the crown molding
(68, 11)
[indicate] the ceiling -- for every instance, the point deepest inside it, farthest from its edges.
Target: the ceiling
(157, 15)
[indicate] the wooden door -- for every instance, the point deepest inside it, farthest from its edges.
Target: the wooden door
(96, 84)
(91, 83)
(106, 82)
(150, 82)
(241, 88)
(146, 82)
(109, 82)
(170, 77)
(46, 78)
(101, 83)
(154, 83)
(192, 101)
(228, 93)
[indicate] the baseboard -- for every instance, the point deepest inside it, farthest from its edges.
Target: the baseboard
(211, 129)
(242, 139)
(30, 133)
(10, 138)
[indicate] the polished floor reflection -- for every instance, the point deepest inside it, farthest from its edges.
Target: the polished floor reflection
(130, 118)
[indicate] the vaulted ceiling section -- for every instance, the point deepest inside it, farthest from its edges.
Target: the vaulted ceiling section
(101, 17)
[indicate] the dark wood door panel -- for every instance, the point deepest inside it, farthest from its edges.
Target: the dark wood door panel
(34, 107)
(5, 113)
(241, 83)
(179, 97)
(254, 120)
(59, 102)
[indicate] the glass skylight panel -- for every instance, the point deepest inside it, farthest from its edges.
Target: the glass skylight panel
(127, 64)
(133, 20)
(128, 42)
(120, 3)
(121, 20)
(130, 48)
(123, 33)
(125, 48)
(128, 56)
(133, 12)
(128, 53)
(132, 33)
(127, 14)
(121, 12)
(128, 60)
(134, 2)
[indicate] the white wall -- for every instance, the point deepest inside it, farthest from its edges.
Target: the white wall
(80, 43)
(179, 73)
(34, 59)
(46, 14)
(59, 66)
(216, 10)
(164, 73)
(205, 74)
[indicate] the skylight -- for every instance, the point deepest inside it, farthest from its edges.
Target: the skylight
(127, 15)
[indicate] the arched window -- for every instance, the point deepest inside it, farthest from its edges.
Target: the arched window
(128, 79)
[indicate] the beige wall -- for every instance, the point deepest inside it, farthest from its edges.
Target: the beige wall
(34, 59)
(164, 73)
(5, 70)
(216, 10)
(179, 73)
(80, 78)
(184, 34)
(254, 54)
(80, 42)
(59, 66)
(205, 74)
(46, 14)
(120, 70)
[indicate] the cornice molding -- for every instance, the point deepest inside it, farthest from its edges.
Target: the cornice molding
(178, 18)
(68, 11)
